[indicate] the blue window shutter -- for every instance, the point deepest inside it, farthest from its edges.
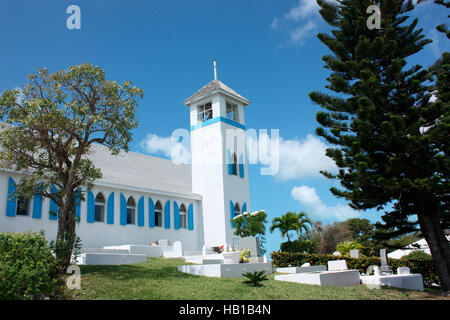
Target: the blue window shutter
(241, 165)
(37, 207)
(141, 212)
(78, 204)
(151, 213)
(176, 216)
(110, 204)
(167, 215)
(123, 210)
(11, 204)
(244, 207)
(229, 163)
(90, 207)
(53, 206)
(232, 213)
(191, 217)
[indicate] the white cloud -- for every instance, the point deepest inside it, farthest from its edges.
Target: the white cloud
(305, 158)
(275, 25)
(304, 9)
(166, 146)
(317, 209)
(301, 33)
(300, 22)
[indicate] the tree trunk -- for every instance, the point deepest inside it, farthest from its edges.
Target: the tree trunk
(66, 229)
(438, 244)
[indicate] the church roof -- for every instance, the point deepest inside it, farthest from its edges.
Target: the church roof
(141, 171)
(213, 87)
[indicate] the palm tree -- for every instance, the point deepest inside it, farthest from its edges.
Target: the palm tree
(302, 223)
(285, 223)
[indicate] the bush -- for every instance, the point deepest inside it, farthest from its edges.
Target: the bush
(300, 246)
(27, 267)
(420, 262)
(424, 266)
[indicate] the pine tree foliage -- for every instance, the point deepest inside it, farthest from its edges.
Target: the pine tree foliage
(390, 139)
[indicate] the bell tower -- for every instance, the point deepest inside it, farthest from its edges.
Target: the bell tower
(219, 158)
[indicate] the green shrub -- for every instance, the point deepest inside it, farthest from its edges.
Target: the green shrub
(345, 247)
(424, 265)
(27, 267)
(420, 262)
(299, 246)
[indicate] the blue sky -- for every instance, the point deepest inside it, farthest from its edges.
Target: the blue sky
(266, 50)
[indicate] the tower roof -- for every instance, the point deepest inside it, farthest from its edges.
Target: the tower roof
(213, 87)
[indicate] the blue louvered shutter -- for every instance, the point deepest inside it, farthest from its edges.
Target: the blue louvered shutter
(90, 207)
(123, 210)
(191, 217)
(167, 215)
(110, 204)
(141, 212)
(241, 165)
(78, 204)
(232, 213)
(176, 216)
(53, 212)
(11, 204)
(37, 207)
(151, 213)
(229, 163)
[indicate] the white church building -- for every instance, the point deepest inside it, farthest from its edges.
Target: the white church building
(142, 198)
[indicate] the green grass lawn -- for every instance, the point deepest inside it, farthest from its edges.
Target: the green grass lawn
(158, 279)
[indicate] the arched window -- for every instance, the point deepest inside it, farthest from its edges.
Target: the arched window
(235, 164)
(183, 217)
(100, 207)
(23, 206)
(158, 214)
(131, 211)
(237, 210)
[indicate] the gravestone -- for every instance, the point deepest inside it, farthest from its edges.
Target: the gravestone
(376, 271)
(249, 243)
(337, 265)
(307, 264)
(337, 254)
(403, 270)
(385, 268)
(163, 243)
(354, 253)
(177, 249)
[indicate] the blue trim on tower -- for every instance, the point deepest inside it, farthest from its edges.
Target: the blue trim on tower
(217, 119)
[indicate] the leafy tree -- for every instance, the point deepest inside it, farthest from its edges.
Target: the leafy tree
(443, 27)
(302, 223)
(361, 229)
(252, 225)
(287, 222)
(329, 236)
(49, 128)
(386, 158)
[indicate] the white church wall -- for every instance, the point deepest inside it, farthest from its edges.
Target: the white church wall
(99, 234)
